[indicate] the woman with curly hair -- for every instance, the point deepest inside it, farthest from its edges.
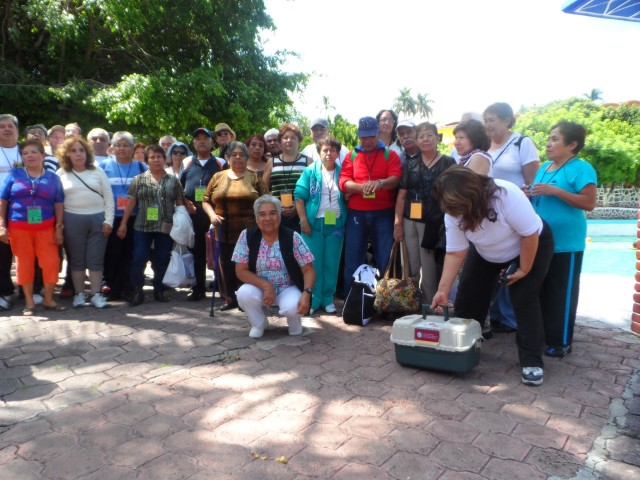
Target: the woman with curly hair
(88, 217)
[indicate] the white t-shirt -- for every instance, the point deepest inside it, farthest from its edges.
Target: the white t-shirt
(8, 158)
(497, 241)
(508, 160)
(79, 199)
(311, 151)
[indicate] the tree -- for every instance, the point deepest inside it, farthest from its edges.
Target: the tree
(594, 95)
(405, 103)
(613, 140)
(423, 105)
(155, 67)
(326, 106)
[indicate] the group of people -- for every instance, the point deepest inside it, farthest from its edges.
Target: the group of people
(283, 217)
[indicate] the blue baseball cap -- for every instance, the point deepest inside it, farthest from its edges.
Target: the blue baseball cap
(368, 127)
(206, 131)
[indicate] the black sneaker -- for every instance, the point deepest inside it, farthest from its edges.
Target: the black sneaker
(532, 376)
(487, 333)
(558, 351)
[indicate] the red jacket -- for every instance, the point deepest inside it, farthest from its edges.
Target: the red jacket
(370, 166)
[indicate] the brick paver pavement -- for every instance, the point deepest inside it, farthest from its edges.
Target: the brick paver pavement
(163, 391)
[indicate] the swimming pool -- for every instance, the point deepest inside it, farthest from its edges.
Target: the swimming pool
(610, 249)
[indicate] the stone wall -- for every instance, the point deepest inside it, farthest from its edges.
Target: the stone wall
(618, 197)
(613, 213)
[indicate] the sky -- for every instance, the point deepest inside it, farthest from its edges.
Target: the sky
(465, 54)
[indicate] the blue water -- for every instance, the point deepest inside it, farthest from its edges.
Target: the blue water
(611, 255)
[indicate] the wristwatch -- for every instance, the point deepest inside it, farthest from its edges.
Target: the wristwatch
(381, 182)
(309, 290)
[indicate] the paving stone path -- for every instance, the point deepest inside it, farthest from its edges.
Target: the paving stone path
(163, 391)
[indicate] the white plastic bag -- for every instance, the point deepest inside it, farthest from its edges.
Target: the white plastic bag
(180, 272)
(182, 228)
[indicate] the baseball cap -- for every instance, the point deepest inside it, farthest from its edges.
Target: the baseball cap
(206, 131)
(406, 123)
(367, 127)
(320, 122)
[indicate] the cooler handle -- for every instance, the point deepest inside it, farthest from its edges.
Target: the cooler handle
(426, 309)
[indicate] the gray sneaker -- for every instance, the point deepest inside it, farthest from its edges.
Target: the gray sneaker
(79, 299)
(532, 376)
(5, 303)
(99, 301)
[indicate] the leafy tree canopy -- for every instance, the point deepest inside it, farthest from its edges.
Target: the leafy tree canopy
(156, 67)
(613, 135)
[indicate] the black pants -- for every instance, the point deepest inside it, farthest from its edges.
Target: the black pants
(559, 297)
(475, 289)
(6, 257)
(117, 259)
(201, 224)
(229, 283)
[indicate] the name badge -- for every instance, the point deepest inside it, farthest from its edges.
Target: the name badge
(416, 211)
(286, 198)
(330, 217)
(34, 214)
(152, 213)
(371, 195)
(121, 202)
(200, 194)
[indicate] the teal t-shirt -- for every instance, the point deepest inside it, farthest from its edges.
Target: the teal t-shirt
(568, 224)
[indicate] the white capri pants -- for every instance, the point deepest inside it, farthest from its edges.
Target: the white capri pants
(250, 300)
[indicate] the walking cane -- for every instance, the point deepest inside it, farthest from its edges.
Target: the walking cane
(216, 233)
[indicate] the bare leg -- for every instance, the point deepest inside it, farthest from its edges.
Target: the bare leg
(27, 289)
(48, 294)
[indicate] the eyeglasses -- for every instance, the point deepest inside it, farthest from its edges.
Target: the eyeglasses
(385, 120)
(223, 133)
(122, 145)
(237, 155)
(178, 152)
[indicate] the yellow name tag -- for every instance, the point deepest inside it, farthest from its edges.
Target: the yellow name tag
(416, 211)
(371, 195)
(286, 198)
(200, 194)
(152, 213)
(329, 217)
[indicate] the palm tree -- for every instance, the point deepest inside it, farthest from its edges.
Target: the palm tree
(423, 106)
(594, 95)
(405, 103)
(326, 105)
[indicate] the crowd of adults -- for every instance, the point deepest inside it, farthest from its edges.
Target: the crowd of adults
(283, 216)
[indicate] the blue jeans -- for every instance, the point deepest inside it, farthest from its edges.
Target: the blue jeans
(162, 245)
(360, 226)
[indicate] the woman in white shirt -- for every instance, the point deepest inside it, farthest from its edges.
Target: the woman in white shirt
(472, 143)
(88, 217)
(491, 224)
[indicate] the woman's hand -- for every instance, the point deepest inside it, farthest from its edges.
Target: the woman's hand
(304, 303)
(515, 276)
(398, 232)
(216, 219)
(106, 229)
(269, 294)
(191, 208)
(4, 235)
(440, 298)
(58, 236)
(305, 227)
(543, 189)
(122, 231)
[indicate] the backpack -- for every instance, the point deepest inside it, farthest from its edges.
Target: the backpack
(386, 154)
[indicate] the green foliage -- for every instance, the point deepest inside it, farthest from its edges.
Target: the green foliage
(155, 67)
(409, 106)
(613, 139)
(344, 131)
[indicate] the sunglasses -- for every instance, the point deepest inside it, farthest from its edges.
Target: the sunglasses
(178, 152)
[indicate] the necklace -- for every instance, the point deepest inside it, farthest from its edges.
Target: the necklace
(433, 159)
(13, 163)
(34, 181)
(555, 172)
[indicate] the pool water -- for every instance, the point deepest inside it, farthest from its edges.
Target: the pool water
(610, 255)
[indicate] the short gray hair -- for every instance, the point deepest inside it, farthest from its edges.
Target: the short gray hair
(272, 132)
(98, 132)
(8, 116)
(232, 146)
(267, 199)
(170, 137)
(126, 136)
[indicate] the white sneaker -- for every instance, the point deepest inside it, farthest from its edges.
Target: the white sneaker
(37, 299)
(296, 328)
(5, 304)
(331, 308)
(99, 301)
(532, 376)
(79, 299)
(311, 310)
(257, 332)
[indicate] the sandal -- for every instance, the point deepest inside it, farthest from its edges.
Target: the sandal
(54, 308)
(28, 311)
